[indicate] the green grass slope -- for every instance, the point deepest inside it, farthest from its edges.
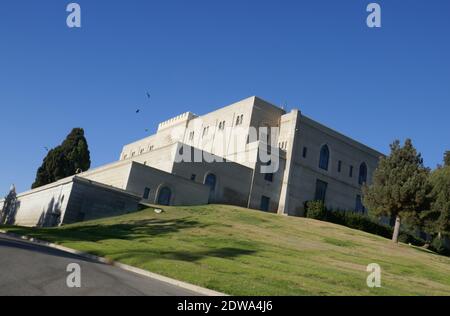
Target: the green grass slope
(243, 252)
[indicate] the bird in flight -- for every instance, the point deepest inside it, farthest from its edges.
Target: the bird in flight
(148, 94)
(137, 111)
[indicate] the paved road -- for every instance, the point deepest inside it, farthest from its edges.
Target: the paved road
(29, 269)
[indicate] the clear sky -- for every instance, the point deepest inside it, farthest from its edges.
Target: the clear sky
(374, 85)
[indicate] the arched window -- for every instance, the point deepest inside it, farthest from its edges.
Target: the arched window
(164, 196)
(211, 181)
(324, 157)
(362, 173)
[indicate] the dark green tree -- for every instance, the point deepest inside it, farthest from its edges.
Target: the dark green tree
(400, 187)
(70, 157)
(440, 180)
(447, 158)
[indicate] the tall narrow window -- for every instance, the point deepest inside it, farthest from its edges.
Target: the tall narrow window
(321, 190)
(239, 120)
(359, 207)
(205, 131)
(305, 152)
(339, 166)
(324, 157)
(350, 173)
(265, 203)
(362, 173)
(146, 193)
(211, 181)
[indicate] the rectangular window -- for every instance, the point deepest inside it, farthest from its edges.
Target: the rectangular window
(268, 177)
(350, 174)
(239, 120)
(146, 193)
(321, 190)
(193, 177)
(305, 152)
(265, 203)
(359, 207)
(339, 166)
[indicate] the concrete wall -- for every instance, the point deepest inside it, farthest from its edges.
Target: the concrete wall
(114, 174)
(43, 206)
(71, 200)
(160, 158)
(342, 189)
(262, 186)
(91, 200)
(233, 180)
(229, 142)
(221, 142)
(184, 192)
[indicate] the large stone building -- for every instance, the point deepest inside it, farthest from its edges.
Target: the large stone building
(250, 153)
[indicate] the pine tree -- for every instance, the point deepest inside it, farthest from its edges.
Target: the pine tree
(65, 160)
(400, 186)
(447, 158)
(440, 180)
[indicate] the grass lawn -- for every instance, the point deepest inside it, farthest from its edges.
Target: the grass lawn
(243, 252)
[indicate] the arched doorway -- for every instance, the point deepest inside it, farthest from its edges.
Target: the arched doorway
(164, 196)
(211, 182)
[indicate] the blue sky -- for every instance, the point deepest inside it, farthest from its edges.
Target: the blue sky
(374, 85)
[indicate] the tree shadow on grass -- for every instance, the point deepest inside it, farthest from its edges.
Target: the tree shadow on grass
(189, 256)
(133, 231)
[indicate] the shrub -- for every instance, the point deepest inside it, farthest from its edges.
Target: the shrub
(316, 210)
(409, 238)
(438, 245)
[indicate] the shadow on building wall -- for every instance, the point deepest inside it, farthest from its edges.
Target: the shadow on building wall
(10, 207)
(51, 215)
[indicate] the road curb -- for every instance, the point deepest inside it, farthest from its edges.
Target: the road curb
(97, 259)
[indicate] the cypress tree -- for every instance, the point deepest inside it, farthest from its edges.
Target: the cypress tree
(64, 160)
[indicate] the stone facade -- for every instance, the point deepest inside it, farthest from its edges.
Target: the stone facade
(299, 141)
(217, 158)
(70, 200)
